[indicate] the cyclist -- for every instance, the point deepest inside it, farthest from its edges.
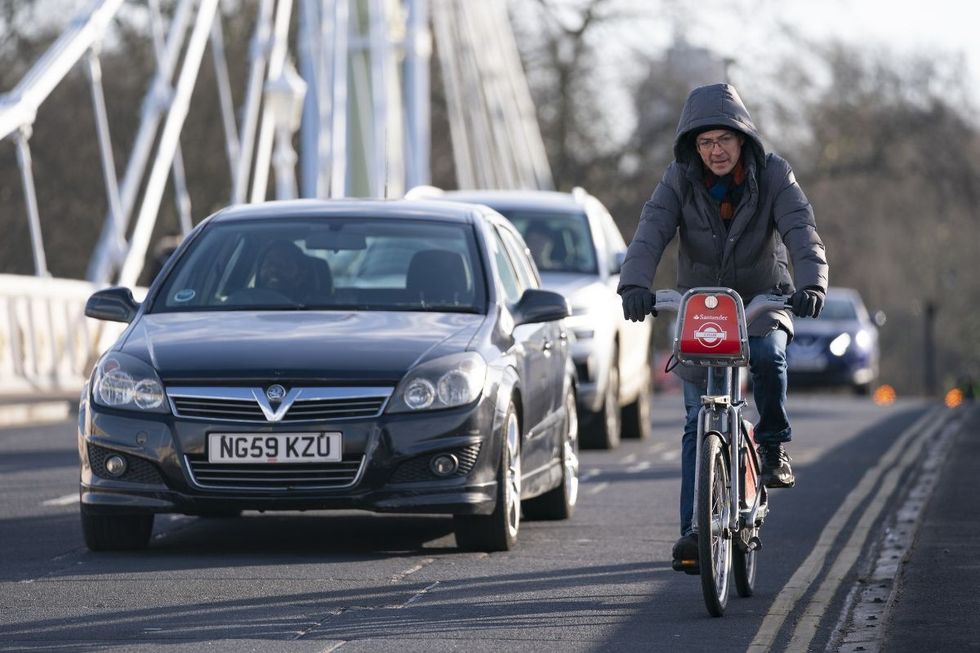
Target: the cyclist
(738, 210)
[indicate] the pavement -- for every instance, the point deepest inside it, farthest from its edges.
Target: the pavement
(935, 606)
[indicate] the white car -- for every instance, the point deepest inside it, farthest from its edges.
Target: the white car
(579, 251)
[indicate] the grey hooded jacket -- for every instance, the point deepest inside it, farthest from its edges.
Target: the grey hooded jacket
(751, 256)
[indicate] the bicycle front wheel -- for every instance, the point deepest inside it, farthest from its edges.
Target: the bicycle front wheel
(714, 512)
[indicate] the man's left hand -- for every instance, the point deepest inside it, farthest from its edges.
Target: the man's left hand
(808, 302)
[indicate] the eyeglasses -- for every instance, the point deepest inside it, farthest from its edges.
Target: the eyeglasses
(725, 140)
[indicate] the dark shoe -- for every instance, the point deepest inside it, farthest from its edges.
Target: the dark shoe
(776, 471)
(685, 554)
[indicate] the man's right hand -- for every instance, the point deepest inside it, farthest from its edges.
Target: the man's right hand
(637, 303)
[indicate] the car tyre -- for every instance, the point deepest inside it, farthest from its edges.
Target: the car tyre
(636, 416)
(116, 532)
(498, 530)
(559, 503)
(606, 425)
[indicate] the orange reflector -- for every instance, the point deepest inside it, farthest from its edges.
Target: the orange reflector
(884, 395)
(689, 563)
(954, 398)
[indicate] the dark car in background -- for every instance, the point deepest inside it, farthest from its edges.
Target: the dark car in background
(840, 348)
(579, 250)
(386, 356)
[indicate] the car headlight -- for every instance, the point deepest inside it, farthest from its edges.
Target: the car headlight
(123, 381)
(840, 344)
(445, 382)
(863, 339)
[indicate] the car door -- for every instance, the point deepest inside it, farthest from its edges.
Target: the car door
(534, 342)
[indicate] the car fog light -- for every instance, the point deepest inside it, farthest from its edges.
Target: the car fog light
(115, 465)
(444, 464)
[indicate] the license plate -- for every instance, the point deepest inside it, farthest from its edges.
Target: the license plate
(270, 448)
(815, 364)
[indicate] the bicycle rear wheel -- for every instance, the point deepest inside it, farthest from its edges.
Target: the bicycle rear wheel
(714, 511)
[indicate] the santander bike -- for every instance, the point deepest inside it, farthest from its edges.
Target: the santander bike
(730, 502)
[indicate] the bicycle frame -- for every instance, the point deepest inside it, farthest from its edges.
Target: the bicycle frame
(722, 405)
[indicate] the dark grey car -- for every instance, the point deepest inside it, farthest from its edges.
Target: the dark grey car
(387, 356)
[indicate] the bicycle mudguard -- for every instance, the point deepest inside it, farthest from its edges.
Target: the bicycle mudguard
(711, 329)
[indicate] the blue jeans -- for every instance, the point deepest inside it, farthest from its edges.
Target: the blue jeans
(767, 364)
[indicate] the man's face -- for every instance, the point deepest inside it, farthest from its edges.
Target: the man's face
(719, 149)
(279, 270)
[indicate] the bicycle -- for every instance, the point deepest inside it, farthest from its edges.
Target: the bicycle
(712, 332)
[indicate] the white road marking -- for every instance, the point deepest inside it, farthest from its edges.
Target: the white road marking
(400, 576)
(66, 500)
(638, 467)
(800, 582)
(597, 488)
(589, 474)
(671, 456)
(629, 459)
(657, 446)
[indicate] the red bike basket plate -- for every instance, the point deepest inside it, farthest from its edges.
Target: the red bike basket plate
(710, 332)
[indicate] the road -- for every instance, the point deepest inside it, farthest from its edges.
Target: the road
(355, 581)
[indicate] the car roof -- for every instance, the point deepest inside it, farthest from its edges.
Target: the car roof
(442, 211)
(543, 200)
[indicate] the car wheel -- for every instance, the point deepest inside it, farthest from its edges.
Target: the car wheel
(636, 416)
(606, 425)
(498, 530)
(862, 389)
(116, 532)
(559, 503)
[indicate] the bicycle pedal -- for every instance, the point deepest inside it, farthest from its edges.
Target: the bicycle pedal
(755, 544)
(773, 484)
(687, 566)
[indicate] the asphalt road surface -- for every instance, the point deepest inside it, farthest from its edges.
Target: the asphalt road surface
(355, 581)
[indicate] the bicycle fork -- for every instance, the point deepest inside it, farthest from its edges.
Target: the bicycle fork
(719, 415)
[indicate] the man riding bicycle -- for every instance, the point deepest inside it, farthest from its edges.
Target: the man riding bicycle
(738, 210)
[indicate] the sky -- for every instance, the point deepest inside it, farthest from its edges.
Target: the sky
(753, 32)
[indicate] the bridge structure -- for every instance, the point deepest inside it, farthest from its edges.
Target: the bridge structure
(336, 103)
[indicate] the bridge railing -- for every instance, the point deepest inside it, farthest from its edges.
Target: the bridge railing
(47, 345)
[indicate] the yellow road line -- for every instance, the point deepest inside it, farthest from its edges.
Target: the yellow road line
(800, 582)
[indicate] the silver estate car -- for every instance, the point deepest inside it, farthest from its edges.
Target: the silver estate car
(579, 250)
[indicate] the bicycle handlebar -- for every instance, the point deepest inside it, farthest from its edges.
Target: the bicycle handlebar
(670, 300)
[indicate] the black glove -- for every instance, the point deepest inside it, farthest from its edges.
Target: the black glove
(637, 302)
(807, 302)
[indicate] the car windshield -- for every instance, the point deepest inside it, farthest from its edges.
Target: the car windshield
(372, 264)
(837, 308)
(559, 241)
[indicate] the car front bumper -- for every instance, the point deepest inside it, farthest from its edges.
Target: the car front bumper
(385, 465)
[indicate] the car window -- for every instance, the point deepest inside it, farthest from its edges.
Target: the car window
(505, 267)
(522, 262)
(328, 263)
(559, 241)
(836, 308)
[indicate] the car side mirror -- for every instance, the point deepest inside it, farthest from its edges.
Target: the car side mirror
(879, 318)
(112, 304)
(538, 305)
(616, 264)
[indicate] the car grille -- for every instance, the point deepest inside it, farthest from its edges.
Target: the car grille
(274, 477)
(246, 404)
(138, 470)
(417, 469)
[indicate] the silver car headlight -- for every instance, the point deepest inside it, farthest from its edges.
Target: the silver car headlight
(445, 382)
(123, 381)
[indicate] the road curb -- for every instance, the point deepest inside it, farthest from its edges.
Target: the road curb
(862, 627)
